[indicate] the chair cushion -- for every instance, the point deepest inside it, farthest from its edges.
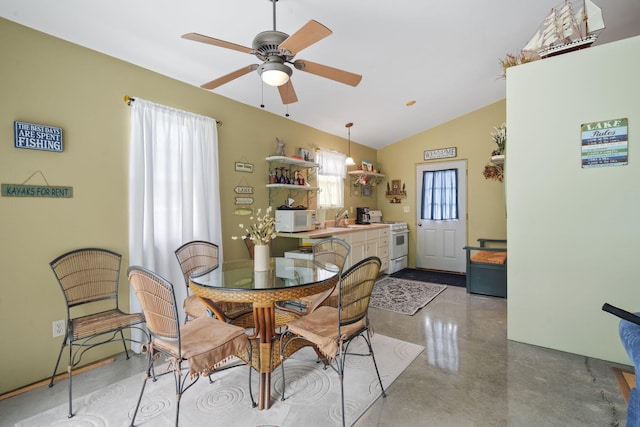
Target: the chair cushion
(105, 321)
(194, 307)
(206, 343)
(321, 328)
(490, 257)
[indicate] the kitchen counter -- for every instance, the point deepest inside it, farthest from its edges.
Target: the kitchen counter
(331, 231)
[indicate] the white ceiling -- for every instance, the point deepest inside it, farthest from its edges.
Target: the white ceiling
(444, 55)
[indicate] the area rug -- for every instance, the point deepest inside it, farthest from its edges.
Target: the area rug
(403, 296)
(313, 395)
(452, 279)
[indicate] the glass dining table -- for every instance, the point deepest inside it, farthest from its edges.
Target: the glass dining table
(286, 279)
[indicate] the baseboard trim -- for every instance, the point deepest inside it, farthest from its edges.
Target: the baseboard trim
(45, 382)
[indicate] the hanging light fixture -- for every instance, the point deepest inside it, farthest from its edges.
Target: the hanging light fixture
(349, 161)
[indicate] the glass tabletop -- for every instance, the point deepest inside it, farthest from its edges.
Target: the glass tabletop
(282, 273)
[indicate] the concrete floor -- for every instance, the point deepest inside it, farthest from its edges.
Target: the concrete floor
(468, 375)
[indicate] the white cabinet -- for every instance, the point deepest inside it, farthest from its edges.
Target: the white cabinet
(367, 243)
(357, 240)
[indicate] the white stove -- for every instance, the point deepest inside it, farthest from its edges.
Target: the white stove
(398, 242)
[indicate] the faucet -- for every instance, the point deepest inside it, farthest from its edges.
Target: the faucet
(342, 214)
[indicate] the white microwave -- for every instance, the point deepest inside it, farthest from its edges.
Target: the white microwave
(292, 221)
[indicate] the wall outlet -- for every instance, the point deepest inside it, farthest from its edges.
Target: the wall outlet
(406, 209)
(58, 328)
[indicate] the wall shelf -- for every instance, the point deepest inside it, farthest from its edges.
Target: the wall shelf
(373, 178)
(292, 189)
(292, 161)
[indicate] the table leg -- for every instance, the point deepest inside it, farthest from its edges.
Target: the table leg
(264, 317)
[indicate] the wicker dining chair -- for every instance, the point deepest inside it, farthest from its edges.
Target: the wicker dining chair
(331, 330)
(89, 281)
(205, 342)
(332, 253)
(199, 254)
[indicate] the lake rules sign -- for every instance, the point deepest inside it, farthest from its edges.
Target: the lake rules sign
(605, 143)
(37, 137)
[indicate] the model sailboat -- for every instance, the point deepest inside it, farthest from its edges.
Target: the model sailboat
(565, 30)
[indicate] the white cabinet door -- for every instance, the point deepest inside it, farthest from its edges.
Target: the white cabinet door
(383, 249)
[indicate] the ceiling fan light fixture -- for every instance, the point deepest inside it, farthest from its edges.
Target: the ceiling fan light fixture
(274, 73)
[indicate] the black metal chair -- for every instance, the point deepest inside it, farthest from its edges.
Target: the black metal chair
(205, 342)
(89, 279)
(330, 330)
(199, 254)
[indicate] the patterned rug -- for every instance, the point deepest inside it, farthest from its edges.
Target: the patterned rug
(313, 395)
(403, 296)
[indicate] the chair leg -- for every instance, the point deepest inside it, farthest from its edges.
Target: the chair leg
(375, 365)
(70, 375)
(53, 375)
(283, 380)
(253, 402)
(124, 344)
(341, 375)
(144, 383)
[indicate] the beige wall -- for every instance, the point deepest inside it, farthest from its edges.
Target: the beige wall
(471, 135)
(573, 233)
(48, 81)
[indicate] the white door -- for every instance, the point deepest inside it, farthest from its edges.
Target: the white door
(440, 241)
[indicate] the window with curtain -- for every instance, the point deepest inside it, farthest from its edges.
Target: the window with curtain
(173, 188)
(440, 195)
(331, 176)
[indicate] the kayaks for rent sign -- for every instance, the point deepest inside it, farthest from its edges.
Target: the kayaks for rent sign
(37, 137)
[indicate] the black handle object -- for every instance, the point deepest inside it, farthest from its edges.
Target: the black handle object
(623, 314)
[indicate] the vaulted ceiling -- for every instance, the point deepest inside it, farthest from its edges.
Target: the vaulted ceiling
(443, 55)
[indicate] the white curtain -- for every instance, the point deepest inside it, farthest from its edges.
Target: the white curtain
(173, 189)
(331, 176)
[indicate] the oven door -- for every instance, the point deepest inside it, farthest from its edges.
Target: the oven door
(398, 244)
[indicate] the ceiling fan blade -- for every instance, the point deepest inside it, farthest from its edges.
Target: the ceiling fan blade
(287, 93)
(310, 33)
(217, 42)
(228, 77)
(341, 76)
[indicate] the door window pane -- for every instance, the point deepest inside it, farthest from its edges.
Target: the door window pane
(440, 195)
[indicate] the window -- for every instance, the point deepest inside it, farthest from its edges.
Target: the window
(331, 176)
(440, 195)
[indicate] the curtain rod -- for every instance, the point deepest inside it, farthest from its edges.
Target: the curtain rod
(129, 100)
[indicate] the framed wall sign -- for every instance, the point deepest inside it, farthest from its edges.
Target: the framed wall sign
(37, 137)
(244, 167)
(243, 190)
(440, 153)
(244, 200)
(605, 143)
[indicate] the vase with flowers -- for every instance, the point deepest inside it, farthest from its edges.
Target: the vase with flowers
(260, 233)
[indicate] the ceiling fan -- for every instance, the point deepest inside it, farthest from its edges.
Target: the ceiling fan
(276, 49)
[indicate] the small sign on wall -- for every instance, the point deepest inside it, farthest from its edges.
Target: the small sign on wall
(21, 190)
(605, 143)
(37, 137)
(441, 153)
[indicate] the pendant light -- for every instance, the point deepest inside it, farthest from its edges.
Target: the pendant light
(349, 161)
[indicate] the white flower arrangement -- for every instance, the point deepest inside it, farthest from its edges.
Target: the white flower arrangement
(499, 136)
(262, 231)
